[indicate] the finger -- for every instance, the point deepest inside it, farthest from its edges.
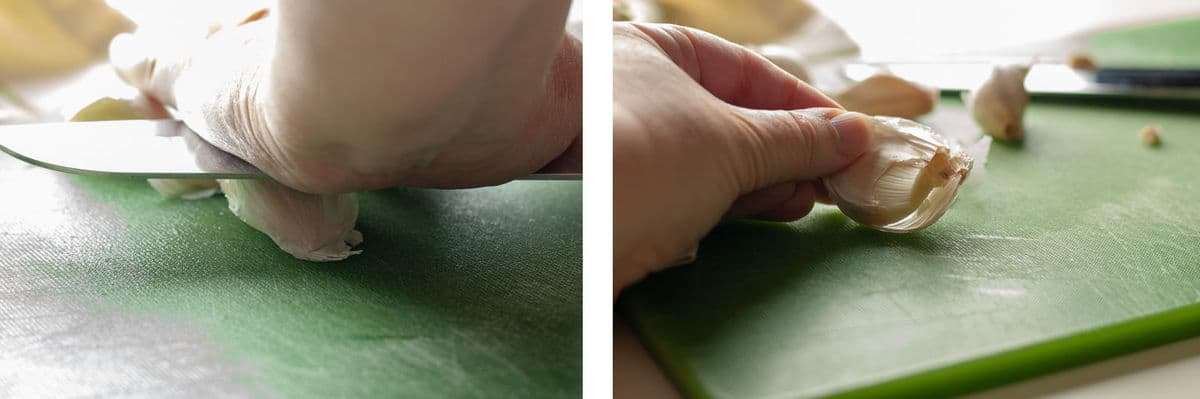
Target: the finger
(733, 73)
(794, 207)
(781, 146)
(822, 195)
(761, 201)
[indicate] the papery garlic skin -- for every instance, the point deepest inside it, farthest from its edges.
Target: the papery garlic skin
(312, 227)
(906, 183)
(998, 104)
(889, 95)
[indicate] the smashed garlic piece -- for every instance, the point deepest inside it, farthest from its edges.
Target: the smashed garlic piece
(786, 58)
(313, 227)
(889, 95)
(998, 104)
(1149, 136)
(906, 183)
(1081, 61)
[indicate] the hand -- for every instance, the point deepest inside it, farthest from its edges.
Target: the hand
(705, 130)
(345, 96)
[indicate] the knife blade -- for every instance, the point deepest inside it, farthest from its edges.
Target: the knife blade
(161, 148)
(1044, 79)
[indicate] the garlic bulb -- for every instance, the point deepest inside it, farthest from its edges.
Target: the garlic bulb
(889, 95)
(312, 227)
(906, 183)
(998, 104)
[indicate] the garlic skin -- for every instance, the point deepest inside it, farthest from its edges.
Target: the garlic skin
(998, 104)
(889, 95)
(906, 184)
(786, 58)
(312, 227)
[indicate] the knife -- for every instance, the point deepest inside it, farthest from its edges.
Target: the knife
(1045, 79)
(162, 148)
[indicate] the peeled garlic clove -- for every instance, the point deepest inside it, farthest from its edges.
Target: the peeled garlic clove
(906, 183)
(312, 227)
(998, 105)
(786, 58)
(889, 95)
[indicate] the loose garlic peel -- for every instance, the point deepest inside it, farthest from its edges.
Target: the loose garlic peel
(998, 104)
(907, 183)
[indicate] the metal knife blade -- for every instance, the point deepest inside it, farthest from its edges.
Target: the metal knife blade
(1046, 79)
(137, 148)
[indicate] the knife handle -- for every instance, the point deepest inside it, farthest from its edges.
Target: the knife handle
(1149, 77)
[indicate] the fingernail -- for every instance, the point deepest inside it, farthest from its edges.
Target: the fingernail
(853, 130)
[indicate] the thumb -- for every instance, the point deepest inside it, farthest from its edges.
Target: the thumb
(785, 146)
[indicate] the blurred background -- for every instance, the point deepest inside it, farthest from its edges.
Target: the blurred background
(53, 53)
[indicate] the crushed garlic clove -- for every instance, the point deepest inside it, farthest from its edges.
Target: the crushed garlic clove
(312, 227)
(907, 183)
(998, 104)
(889, 95)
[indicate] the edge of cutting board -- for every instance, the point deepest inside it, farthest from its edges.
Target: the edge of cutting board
(972, 376)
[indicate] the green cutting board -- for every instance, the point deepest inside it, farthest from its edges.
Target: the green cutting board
(1174, 44)
(1079, 244)
(107, 289)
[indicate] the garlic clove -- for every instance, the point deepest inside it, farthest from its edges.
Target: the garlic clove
(907, 183)
(998, 104)
(313, 227)
(889, 95)
(786, 58)
(187, 189)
